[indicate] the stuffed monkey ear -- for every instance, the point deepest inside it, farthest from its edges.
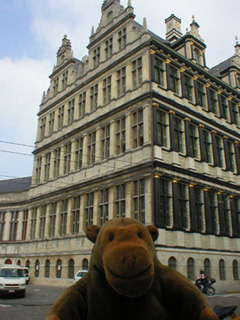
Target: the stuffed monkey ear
(153, 231)
(92, 232)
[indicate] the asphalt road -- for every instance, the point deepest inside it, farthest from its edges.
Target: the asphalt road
(39, 299)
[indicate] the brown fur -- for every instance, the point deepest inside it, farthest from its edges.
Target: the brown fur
(127, 281)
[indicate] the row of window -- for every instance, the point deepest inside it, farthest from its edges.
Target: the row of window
(195, 140)
(193, 208)
(58, 268)
(99, 54)
(191, 268)
(89, 100)
(195, 90)
(83, 152)
(61, 218)
(172, 262)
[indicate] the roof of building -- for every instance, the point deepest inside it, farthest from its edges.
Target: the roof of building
(15, 185)
(218, 69)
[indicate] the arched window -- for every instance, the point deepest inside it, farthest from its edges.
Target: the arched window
(8, 261)
(235, 270)
(28, 264)
(37, 268)
(47, 268)
(71, 269)
(190, 269)
(18, 262)
(197, 55)
(172, 263)
(85, 264)
(110, 17)
(58, 268)
(222, 275)
(207, 267)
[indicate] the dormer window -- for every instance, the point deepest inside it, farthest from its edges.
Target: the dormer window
(109, 17)
(197, 55)
(238, 81)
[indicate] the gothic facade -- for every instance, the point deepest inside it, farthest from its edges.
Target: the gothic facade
(142, 128)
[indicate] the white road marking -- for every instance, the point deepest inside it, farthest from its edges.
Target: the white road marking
(4, 306)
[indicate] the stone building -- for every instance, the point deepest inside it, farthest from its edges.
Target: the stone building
(140, 127)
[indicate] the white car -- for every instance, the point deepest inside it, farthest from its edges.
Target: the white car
(79, 275)
(12, 281)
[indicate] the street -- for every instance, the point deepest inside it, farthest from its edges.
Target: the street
(39, 299)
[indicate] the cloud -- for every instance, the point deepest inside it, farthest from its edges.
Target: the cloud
(22, 84)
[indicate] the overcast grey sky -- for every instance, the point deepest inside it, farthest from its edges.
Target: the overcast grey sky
(31, 32)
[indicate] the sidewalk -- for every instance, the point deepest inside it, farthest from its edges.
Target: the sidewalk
(221, 287)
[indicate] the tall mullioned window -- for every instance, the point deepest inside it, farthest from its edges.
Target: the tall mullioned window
(121, 81)
(120, 201)
(137, 72)
(164, 202)
(173, 78)
(79, 154)
(42, 224)
(137, 129)
(200, 92)
(218, 155)
(60, 117)
(63, 217)
(55, 86)
(234, 113)
(107, 89)
(13, 226)
(180, 201)
(33, 224)
(229, 155)
(159, 71)
(2, 224)
(38, 170)
(75, 215)
(52, 218)
(67, 158)
(94, 97)
(64, 80)
(71, 106)
(24, 224)
(96, 57)
(121, 135)
(104, 206)
(47, 166)
(193, 141)
(42, 128)
(51, 123)
(122, 39)
(56, 162)
(89, 209)
(224, 107)
(212, 101)
(196, 208)
(82, 105)
(213, 210)
(108, 48)
(105, 141)
(206, 145)
(91, 148)
(187, 86)
(139, 200)
(178, 134)
(162, 128)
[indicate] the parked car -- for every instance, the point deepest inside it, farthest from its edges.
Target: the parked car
(12, 281)
(26, 274)
(79, 275)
